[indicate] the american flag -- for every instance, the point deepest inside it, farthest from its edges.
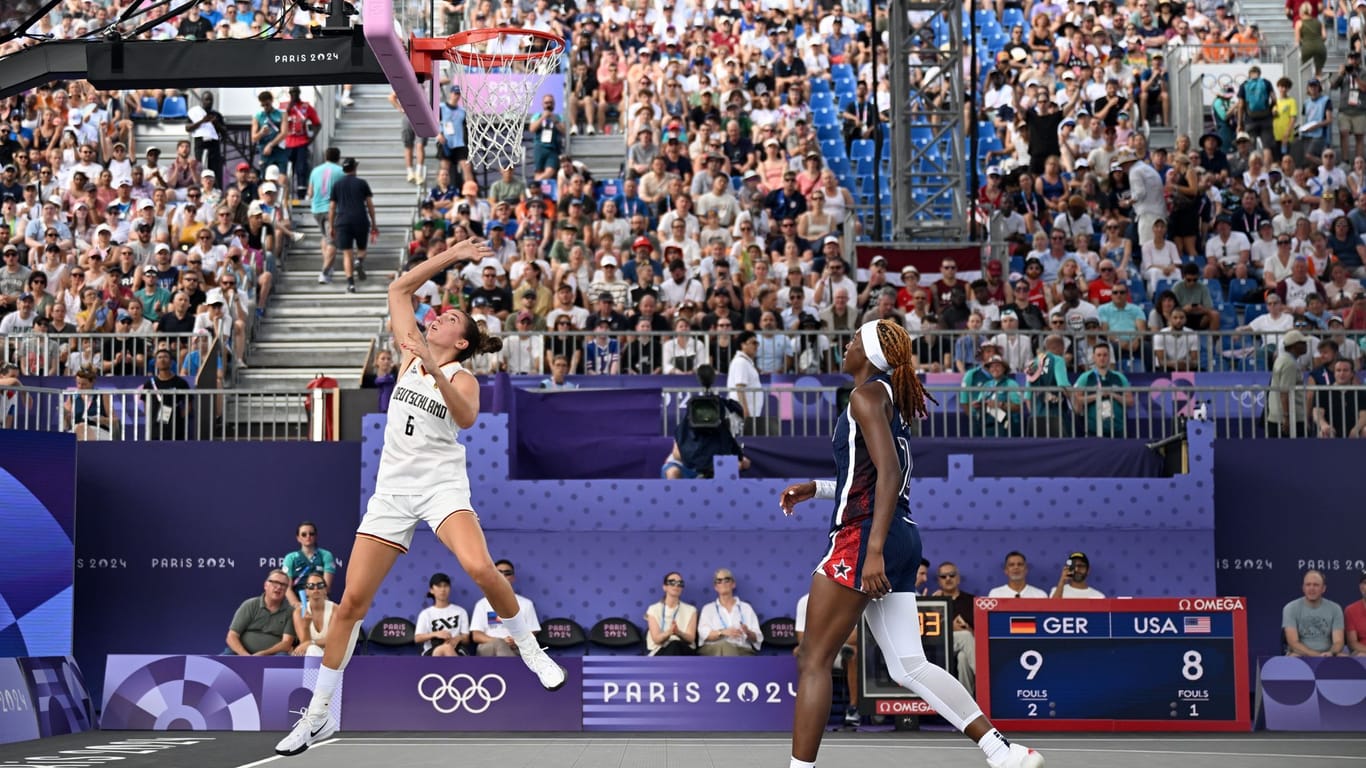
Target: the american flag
(1197, 625)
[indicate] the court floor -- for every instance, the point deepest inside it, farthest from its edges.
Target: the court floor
(841, 750)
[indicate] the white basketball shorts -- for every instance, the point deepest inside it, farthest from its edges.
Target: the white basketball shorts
(391, 518)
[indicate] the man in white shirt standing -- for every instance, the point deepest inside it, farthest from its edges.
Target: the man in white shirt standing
(1072, 583)
(1145, 186)
(1017, 571)
(746, 387)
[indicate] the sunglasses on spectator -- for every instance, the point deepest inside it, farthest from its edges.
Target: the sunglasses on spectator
(280, 584)
(673, 582)
(312, 587)
(507, 573)
(723, 580)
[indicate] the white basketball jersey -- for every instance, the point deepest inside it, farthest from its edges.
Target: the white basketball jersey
(421, 450)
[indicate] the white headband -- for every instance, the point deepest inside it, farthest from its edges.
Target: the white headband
(872, 347)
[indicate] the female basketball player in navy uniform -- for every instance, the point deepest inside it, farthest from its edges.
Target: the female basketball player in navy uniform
(422, 478)
(874, 552)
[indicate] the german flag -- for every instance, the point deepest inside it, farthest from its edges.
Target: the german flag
(1023, 625)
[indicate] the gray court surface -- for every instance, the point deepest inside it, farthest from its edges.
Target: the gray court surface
(840, 750)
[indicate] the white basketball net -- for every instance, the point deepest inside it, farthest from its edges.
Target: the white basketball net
(498, 79)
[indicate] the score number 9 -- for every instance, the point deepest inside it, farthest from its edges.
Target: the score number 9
(1192, 664)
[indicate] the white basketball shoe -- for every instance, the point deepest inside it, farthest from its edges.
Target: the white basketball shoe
(551, 675)
(307, 732)
(1020, 756)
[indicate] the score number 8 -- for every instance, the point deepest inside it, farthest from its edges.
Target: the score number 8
(1192, 664)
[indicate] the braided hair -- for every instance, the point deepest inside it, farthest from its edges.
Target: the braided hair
(908, 394)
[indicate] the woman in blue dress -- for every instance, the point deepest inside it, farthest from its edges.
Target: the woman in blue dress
(874, 552)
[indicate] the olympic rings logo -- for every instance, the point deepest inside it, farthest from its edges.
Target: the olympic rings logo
(463, 692)
(986, 603)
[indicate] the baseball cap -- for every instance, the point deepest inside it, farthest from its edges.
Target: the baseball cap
(750, 174)
(255, 208)
(438, 579)
(269, 186)
(495, 224)
(525, 315)
(834, 239)
(609, 260)
(214, 296)
(149, 269)
(208, 173)
(641, 242)
(480, 301)
(240, 166)
(1079, 557)
(145, 203)
(606, 296)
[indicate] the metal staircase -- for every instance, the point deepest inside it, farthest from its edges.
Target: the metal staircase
(311, 328)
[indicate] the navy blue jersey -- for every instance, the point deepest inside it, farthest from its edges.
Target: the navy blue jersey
(855, 475)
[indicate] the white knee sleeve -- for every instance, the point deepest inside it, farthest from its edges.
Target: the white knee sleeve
(896, 627)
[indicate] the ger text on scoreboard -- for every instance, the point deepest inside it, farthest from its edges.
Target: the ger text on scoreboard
(1165, 664)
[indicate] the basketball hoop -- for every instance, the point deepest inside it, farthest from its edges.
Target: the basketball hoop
(498, 71)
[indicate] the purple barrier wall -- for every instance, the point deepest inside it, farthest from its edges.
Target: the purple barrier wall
(42, 696)
(173, 537)
(1314, 694)
(1285, 506)
(227, 693)
(589, 549)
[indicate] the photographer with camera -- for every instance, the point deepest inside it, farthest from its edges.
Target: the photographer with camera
(706, 430)
(1072, 583)
(1351, 105)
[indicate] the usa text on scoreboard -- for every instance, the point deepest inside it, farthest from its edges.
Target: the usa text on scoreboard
(1152, 664)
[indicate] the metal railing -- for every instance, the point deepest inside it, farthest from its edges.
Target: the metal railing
(114, 354)
(1150, 413)
(132, 415)
(941, 351)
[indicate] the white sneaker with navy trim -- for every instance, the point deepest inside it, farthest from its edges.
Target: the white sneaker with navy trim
(307, 732)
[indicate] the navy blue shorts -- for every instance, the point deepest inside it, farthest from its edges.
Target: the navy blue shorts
(901, 554)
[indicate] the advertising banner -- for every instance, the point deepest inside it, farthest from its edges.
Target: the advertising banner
(18, 721)
(37, 507)
(418, 693)
(1327, 694)
(642, 693)
(208, 693)
(388, 693)
(59, 696)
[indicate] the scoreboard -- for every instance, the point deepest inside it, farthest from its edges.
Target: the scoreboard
(878, 693)
(1163, 664)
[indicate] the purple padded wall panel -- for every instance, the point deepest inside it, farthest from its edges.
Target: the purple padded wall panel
(595, 548)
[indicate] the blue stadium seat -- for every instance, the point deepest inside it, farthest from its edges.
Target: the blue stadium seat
(148, 107)
(1162, 285)
(174, 108)
(839, 164)
(832, 148)
(829, 133)
(1138, 290)
(1252, 312)
(822, 100)
(1243, 288)
(1012, 17)
(1216, 290)
(860, 149)
(1228, 316)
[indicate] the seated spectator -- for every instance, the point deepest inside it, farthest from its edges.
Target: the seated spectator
(308, 558)
(964, 643)
(1341, 411)
(1313, 625)
(262, 625)
(1072, 582)
(672, 622)
(443, 626)
(728, 626)
(312, 619)
(1017, 571)
(487, 630)
(89, 415)
(1354, 618)
(1176, 347)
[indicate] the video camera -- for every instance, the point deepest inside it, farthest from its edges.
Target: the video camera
(704, 432)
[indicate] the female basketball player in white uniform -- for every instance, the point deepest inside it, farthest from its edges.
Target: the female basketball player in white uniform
(421, 478)
(874, 552)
